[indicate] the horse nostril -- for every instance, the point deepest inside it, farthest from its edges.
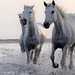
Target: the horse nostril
(46, 25)
(25, 20)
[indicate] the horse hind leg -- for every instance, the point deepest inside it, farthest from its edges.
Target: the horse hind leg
(54, 65)
(71, 58)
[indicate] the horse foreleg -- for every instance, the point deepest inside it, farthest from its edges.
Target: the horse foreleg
(22, 44)
(71, 58)
(22, 48)
(37, 53)
(63, 60)
(31, 56)
(55, 65)
(28, 57)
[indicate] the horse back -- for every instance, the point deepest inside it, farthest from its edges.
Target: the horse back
(41, 30)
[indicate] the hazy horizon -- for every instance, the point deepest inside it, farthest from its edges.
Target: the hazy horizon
(10, 27)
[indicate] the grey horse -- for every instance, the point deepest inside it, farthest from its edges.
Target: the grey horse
(33, 35)
(63, 35)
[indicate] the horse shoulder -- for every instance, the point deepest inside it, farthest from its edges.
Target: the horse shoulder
(68, 31)
(71, 21)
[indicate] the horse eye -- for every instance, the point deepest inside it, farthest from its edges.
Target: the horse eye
(52, 12)
(30, 12)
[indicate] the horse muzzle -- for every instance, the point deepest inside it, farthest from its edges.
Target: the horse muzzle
(24, 21)
(46, 25)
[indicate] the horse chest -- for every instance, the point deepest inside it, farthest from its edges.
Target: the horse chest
(31, 42)
(59, 40)
(58, 36)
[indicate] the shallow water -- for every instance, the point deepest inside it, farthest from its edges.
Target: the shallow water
(13, 62)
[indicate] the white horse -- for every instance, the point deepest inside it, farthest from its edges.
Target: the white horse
(33, 35)
(63, 35)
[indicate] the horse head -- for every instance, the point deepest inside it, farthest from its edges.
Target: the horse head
(50, 14)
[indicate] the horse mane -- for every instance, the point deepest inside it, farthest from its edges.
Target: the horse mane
(34, 14)
(62, 12)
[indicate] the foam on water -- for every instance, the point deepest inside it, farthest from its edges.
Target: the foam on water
(13, 62)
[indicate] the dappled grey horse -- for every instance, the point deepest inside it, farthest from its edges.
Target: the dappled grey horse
(63, 35)
(33, 35)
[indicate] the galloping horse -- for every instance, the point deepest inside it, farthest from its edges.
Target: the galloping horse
(63, 35)
(33, 35)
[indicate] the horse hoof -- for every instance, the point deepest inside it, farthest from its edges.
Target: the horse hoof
(55, 65)
(71, 66)
(35, 62)
(28, 62)
(64, 67)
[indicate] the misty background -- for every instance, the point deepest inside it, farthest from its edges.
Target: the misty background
(10, 27)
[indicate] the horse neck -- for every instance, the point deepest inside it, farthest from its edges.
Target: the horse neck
(23, 29)
(59, 22)
(31, 27)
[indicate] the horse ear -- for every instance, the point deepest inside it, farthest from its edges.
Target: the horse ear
(45, 4)
(19, 15)
(53, 2)
(32, 6)
(24, 6)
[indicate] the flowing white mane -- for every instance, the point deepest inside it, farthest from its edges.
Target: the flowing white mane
(62, 12)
